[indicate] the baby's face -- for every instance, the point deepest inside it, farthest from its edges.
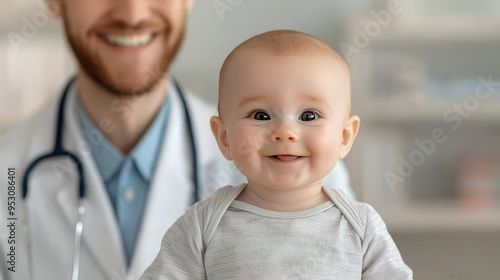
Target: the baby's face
(284, 117)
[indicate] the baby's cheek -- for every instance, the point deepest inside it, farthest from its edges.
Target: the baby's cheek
(245, 151)
(326, 151)
(325, 144)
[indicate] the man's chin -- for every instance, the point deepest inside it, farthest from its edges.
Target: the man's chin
(132, 89)
(130, 85)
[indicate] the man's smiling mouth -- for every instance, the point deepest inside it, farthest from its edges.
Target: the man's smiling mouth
(128, 41)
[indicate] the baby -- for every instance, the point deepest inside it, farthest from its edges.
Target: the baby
(285, 121)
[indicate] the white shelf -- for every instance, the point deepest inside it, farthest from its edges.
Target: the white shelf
(408, 112)
(413, 29)
(438, 57)
(442, 217)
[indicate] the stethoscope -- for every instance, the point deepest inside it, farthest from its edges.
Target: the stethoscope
(59, 151)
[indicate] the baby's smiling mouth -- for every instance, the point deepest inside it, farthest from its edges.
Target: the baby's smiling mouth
(286, 158)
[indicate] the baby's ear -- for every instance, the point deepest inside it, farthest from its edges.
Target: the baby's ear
(220, 133)
(351, 128)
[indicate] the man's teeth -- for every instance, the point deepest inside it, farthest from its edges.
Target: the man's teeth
(129, 41)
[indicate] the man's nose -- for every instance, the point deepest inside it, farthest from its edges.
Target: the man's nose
(284, 131)
(132, 12)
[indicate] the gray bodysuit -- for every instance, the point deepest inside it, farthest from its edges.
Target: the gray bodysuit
(221, 238)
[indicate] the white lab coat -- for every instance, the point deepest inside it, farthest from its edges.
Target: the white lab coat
(52, 196)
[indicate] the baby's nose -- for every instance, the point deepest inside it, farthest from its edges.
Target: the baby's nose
(284, 133)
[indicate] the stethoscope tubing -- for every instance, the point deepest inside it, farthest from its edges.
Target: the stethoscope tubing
(59, 151)
(194, 151)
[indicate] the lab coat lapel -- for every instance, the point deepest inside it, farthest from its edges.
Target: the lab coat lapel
(100, 232)
(170, 192)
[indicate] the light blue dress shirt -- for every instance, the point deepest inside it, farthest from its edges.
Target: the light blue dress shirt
(126, 177)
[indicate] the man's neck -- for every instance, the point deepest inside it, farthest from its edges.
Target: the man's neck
(123, 120)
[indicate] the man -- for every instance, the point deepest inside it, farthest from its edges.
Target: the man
(124, 118)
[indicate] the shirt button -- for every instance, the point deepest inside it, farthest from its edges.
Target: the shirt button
(129, 195)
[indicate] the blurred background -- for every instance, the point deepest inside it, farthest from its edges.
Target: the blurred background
(426, 84)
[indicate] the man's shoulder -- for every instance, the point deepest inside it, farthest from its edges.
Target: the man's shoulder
(200, 112)
(200, 105)
(29, 137)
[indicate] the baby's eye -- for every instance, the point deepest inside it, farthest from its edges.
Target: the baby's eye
(261, 116)
(308, 116)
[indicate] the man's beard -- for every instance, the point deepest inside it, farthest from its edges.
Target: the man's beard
(94, 66)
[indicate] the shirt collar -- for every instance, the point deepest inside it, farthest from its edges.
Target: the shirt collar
(109, 159)
(145, 153)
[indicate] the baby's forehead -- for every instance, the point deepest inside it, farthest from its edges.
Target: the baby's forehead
(320, 64)
(260, 72)
(312, 55)
(257, 59)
